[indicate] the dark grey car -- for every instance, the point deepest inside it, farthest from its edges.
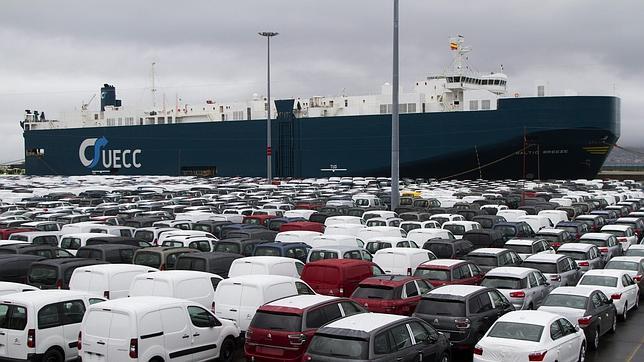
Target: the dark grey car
(378, 337)
(490, 258)
(561, 270)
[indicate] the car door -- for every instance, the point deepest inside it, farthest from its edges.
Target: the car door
(205, 333)
(477, 274)
(404, 349)
(177, 334)
(576, 271)
(610, 310)
(600, 312)
(570, 341)
(12, 331)
(411, 298)
(425, 338)
(543, 288)
(631, 289)
(72, 315)
(557, 347)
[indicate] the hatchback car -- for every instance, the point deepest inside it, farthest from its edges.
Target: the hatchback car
(462, 312)
(525, 288)
(587, 256)
(528, 247)
(561, 270)
(448, 248)
(624, 234)
(490, 258)
(607, 244)
(555, 237)
(441, 272)
(378, 337)
(338, 252)
(393, 294)
(588, 308)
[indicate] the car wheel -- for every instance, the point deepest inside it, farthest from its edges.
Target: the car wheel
(624, 315)
(227, 350)
(613, 328)
(637, 303)
(582, 353)
(595, 340)
(53, 355)
(444, 357)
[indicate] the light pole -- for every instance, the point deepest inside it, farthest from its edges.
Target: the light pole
(269, 151)
(395, 146)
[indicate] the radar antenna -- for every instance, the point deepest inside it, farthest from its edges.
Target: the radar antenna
(84, 106)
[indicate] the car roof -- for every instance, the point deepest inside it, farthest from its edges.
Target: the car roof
(634, 259)
(443, 262)
(456, 290)
(339, 262)
(510, 271)
(636, 246)
(521, 242)
(615, 227)
(388, 280)
(606, 272)
(545, 258)
(176, 274)
(529, 317)
(628, 219)
(488, 251)
(138, 304)
(268, 260)
(115, 268)
(583, 291)
(575, 247)
(365, 322)
(549, 231)
(43, 296)
(406, 251)
(298, 302)
(258, 279)
(602, 236)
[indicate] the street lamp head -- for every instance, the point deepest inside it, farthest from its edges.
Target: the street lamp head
(268, 33)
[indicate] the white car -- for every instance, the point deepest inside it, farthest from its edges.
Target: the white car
(617, 285)
(10, 288)
(623, 233)
(458, 228)
(531, 336)
(528, 247)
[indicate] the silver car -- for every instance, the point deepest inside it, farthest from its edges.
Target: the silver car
(561, 270)
(587, 256)
(607, 244)
(525, 288)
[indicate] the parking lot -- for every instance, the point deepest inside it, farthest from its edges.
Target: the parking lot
(280, 262)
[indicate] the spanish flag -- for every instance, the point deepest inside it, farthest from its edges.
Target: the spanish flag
(453, 45)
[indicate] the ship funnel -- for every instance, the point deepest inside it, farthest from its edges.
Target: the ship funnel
(108, 97)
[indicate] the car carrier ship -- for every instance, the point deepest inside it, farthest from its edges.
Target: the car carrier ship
(459, 124)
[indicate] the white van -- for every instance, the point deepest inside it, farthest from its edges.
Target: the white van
(459, 228)
(305, 214)
(238, 298)
(43, 323)
(79, 227)
(512, 215)
(195, 286)
(154, 329)
(266, 265)
(37, 237)
(561, 201)
(420, 236)
(124, 231)
(380, 231)
(10, 288)
(112, 281)
(537, 222)
(555, 216)
(73, 242)
(343, 219)
(327, 240)
(297, 236)
(401, 261)
(379, 213)
(183, 233)
(343, 229)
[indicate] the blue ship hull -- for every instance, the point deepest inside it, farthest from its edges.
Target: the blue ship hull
(543, 137)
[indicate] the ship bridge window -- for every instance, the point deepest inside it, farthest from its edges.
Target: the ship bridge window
(37, 152)
(346, 103)
(96, 116)
(474, 105)
(485, 104)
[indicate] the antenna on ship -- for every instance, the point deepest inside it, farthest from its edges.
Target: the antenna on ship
(154, 90)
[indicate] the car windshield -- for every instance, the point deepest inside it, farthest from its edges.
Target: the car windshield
(148, 259)
(549, 268)
(634, 252)
(435, 306)
(520, 249)
(622, 265)
(277, 321)
(455, 229)
(503, 282)
(483, 260)
(566, 300)
(433, 274)
(596, 242)
(520, 331)
(228, 247)
(322, 254)
(339, 347)
(570, 229)
(617, 233)
(599, 280)
(373, 292)
(144, 235)
(485, 223)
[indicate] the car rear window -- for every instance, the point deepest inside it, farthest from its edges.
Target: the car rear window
(442, 251)
(339, 347)
(485, 223)
(570, 229)
(322, 274)
(599, 280)
(148, 259)
(45, 275)
(615, 232)
(483, 260)
(622, 265)
(322, 254)
(503, 282)
(520, 331)
(144, 235)
(455, 229)
(506, 230)
(373, 292)
(277, 321)
(436, 306)
(550, 238)
(267, 251)
(577, 255)
(550, 268)
(596, 242)
(566, 300)
(634, 252)
(520, 249)
(433, 274)
(228, 247)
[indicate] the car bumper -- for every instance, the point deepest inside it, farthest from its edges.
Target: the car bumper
(31, 357)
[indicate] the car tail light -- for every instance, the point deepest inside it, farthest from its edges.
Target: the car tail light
(578, 236)
(478, 350)
(603, 250)
(616, 296)
(585, 321)
(79, 342)
(296, 339)
(134, 348)
(583, 263)
(308, 357)
(162, 267)
(106, 294)
(555, 278)
(621, 239)
(249, 333)
(462, 323)
(537, 356)
(556, 245)
(408, 271)
(519, 294)
(212, 307)
(637, 278)
(341, 291)
(31, 338)
(59, 284)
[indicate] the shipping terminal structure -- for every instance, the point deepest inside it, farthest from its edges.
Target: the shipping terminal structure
(459, 124)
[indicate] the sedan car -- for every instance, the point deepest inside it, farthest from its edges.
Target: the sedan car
(560, 269)
(633, 265)
(525, 288)
(531, 336)
(635, 250)
(587, 256)
(624, 234)
(588, 308)
(617, 285)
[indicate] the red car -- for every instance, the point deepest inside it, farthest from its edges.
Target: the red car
(392, 294)
(282, 330)
(338, 277)
(302, 226)
(5, 233)
(441, 272)
(258, 219)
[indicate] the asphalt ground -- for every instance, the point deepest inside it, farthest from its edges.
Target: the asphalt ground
(626, 345)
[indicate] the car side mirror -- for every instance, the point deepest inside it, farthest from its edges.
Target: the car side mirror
(212, 322)
(610, 301)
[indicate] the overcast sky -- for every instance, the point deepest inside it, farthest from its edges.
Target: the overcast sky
(55, 54)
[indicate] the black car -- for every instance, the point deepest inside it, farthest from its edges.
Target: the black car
(462, 312)
(511, 230)
(118, 240)
(483, 238)
(488, 221)
(211, 262)
(448, 248)
(112, 253)
(490, 258)
(45, 251)
(56, 273)
(210, 226)
(15, 267)
(388, 338)
(590, 309)
(246, 247)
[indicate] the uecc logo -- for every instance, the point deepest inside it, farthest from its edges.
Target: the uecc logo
(110, 158)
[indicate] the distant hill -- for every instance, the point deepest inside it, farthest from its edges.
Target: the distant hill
(631, 156)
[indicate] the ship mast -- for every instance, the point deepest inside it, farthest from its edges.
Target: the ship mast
(154, 90)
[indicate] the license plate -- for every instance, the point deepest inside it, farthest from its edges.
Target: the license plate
(270, 351)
